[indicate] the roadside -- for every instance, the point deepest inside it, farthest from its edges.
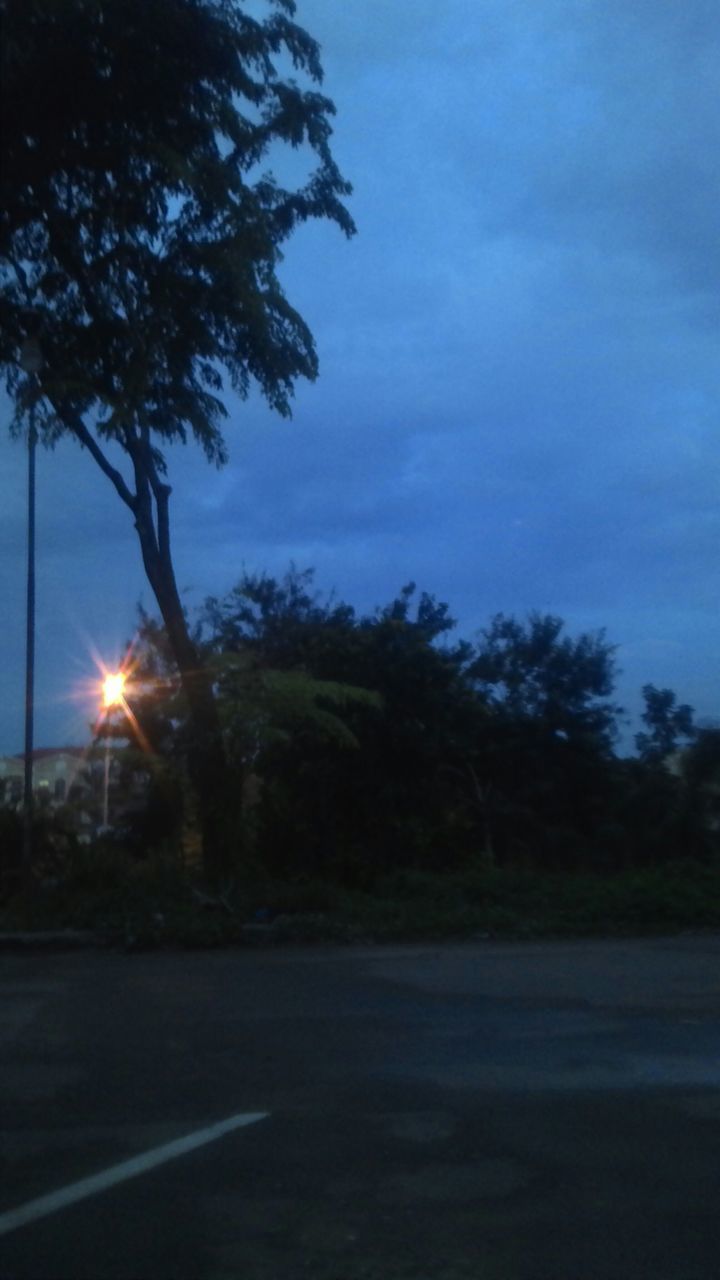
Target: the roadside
(114, 901)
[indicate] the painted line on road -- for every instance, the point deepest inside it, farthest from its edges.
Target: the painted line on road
(44, 1205)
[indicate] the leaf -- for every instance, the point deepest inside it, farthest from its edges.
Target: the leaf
(264, 703)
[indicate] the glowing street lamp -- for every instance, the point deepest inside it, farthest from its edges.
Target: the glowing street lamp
(113, 690)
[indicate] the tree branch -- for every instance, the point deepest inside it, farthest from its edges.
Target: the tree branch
(22, 277)
(143, 505)
(161, 493)
(78, 428)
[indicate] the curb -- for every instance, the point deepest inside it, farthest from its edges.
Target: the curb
(51, 940)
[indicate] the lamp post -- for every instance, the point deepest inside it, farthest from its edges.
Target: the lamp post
(113, 696)
(31, 361)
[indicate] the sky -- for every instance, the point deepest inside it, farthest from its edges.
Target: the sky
(517, 406)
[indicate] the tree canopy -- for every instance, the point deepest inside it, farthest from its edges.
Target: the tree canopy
(140, 237)
(364, 743)
(666, 722)
(532, 671)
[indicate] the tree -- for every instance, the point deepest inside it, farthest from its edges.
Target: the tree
(278, 720)
(533, 672)
(543, 756)
(700, 768)
(140, 244)
(393, 801)
(284, 623)
(666, 721)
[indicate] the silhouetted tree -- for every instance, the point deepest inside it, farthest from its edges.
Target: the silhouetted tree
(139, 243)
(373, 742)
(534, 672)
(542, 756)
(667, 723)
(700, 771)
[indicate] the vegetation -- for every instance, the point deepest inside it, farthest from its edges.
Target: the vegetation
(504, 748)
(392, 782)
(153, 903)
(367, 773)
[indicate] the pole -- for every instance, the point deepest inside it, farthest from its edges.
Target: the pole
(29, 659)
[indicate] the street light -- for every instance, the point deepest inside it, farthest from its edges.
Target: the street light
(114, 689)
(31, 362)
(113, 696)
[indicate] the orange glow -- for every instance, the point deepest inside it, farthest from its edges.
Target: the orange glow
(113, 689)
(110, 688)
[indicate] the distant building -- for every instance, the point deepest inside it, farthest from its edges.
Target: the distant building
(75, 777)
(57, 771)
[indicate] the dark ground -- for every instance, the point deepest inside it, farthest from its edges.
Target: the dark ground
(499, 1111)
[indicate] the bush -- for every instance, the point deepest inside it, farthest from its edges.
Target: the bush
(156, 903)
(11, 840)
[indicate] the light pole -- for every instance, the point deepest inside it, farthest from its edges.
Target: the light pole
(31, 361)
(113, 696)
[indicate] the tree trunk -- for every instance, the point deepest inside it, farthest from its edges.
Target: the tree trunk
(206, 761)
(207, 765)
(482, 796)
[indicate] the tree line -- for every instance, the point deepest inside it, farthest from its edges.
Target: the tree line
(359, 744)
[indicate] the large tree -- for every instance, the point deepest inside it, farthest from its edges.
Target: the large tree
(400, 797)
(545, 759)
(533, 672)
(140, 239)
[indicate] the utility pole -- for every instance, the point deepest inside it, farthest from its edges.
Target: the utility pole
(31, 363)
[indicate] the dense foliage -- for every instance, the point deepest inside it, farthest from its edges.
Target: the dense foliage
(369, 743)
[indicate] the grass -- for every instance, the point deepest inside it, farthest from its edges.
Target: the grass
(513, 904)
(154, 903)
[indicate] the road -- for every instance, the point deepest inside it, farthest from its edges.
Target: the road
(544, 1111)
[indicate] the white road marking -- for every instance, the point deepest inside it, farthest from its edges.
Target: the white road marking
(44, 1205)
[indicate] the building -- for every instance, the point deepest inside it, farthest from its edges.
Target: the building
(57, 772)
(77, 777)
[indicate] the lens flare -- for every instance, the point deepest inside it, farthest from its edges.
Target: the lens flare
(113, 689)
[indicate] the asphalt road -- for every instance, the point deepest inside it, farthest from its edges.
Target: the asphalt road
(475, 1112)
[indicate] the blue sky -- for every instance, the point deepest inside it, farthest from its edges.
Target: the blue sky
(518, 397)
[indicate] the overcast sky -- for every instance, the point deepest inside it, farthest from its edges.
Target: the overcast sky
(520, 370)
